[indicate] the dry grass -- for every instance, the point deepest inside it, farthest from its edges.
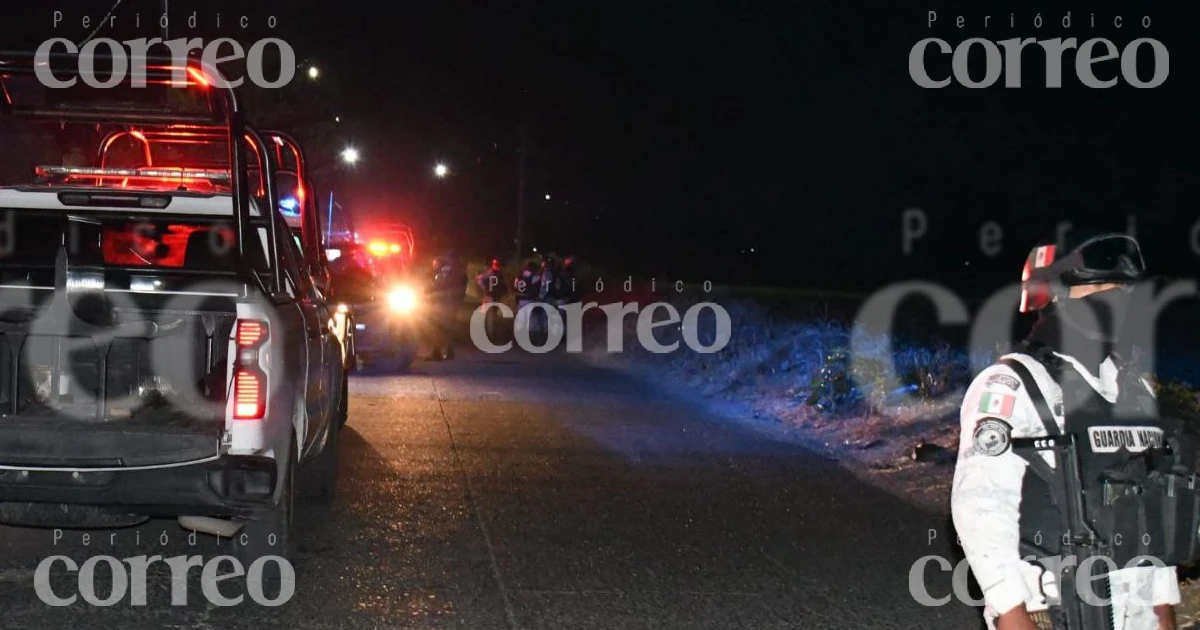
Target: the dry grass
(862, 396)
(867, 393)
(1188, 612)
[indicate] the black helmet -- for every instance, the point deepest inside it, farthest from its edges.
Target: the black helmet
(1083, 257)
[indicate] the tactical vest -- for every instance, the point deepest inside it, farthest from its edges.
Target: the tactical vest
(1136, 490)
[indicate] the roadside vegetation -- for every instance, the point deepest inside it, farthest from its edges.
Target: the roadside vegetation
(888, 407)
(879, 400)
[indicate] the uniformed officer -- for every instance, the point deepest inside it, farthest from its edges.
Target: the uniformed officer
(570, 291)
(491, 282)
(526, 288)
(1066, 383)
(493, 287)
(447, 288)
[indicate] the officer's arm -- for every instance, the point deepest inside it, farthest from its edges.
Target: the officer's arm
(986, 495)
(1166, 617)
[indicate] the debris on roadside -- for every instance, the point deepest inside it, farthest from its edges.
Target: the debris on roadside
(932, 453)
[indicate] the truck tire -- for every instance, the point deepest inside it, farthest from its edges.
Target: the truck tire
(322, 473)
(271, 533)
(404, 359)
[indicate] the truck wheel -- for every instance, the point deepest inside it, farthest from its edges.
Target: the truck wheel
(322, 473)
(271, 533)
(404, 359)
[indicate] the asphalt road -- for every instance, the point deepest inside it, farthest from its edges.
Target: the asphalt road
(537, 492)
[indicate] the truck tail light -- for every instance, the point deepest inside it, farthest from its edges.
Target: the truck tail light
(249, 381)
(251, 333)
(249, 397)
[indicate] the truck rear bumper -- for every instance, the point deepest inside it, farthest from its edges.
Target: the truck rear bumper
(229, 486)
(382, 338)
(71, 445)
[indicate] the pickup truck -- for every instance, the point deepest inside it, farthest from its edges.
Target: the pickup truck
(386, 311)
(297, 204)
(164, 351)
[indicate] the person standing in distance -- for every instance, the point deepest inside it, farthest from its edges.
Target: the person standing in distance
(526, 288)
(447, 288)
(492, 285)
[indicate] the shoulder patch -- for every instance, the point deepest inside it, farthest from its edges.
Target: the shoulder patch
(997, 404)
(992, 437)
(1005, 380)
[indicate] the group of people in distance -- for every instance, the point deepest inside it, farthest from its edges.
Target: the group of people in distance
(552, 283)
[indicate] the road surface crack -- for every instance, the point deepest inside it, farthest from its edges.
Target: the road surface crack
(473, 504)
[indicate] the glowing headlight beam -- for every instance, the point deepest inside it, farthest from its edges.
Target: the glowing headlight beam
(402, 299)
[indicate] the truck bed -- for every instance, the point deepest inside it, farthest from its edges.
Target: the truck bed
(80, 394)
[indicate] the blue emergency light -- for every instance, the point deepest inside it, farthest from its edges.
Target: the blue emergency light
(290, 206)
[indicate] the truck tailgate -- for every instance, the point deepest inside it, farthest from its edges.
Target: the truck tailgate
(152, 438)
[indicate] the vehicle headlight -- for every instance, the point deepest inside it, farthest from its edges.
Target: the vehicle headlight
(402, 299)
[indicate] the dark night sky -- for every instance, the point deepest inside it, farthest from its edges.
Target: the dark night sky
(682, 133)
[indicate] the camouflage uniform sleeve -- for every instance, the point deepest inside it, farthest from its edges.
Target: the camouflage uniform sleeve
(986, 496)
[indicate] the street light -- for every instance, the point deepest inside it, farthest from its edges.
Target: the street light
(350, 155)
(441, 170)
(313, 73)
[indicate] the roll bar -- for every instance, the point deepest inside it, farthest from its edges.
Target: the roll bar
(286, 145)
(314, 247)
(225, 115)
(272, 210)
(268, 147)
(192, 135)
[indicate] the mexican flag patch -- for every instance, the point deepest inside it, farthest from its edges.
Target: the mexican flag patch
(997, 404)
(1043, 256)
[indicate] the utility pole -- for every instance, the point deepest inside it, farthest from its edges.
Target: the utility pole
(165, 14)
(523, 150)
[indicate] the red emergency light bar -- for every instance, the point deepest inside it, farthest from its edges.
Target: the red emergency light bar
(215, 109)
(383, 248)
(161, 173)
